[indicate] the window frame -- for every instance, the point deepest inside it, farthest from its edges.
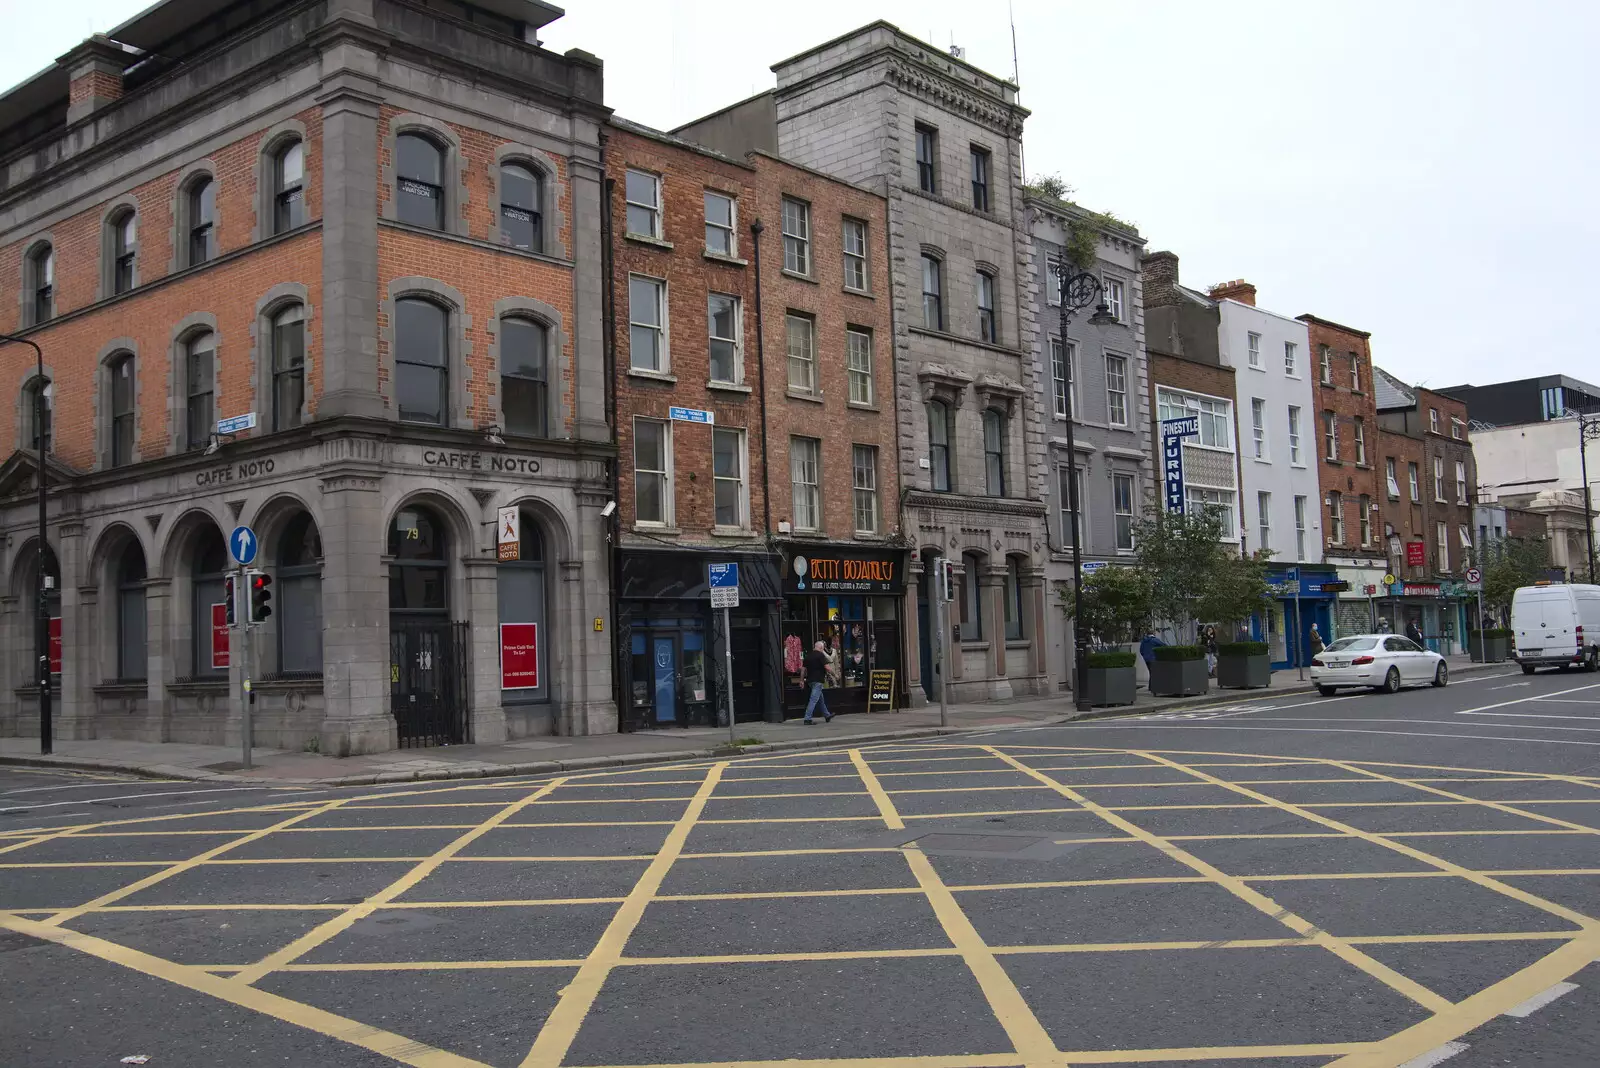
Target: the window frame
(933, 271)
(1291, 360)
(1364, 518)
(122, 447)
(505, 207)
(1355, 372)
(1113, 292)
(1064, 513)
(288, 196)
(971, 598)
(805, 362)
(652, 208)
(1252, 342)
(857, 372)
(663, 474)
(795, 218)
(1226, 504)
(1215, 414)
(1330, 435)
(130, 589)
(29, 415)
(40, 291)
(1117, 399)
(661, 354)
(278, 374)
(443, 369)
(804, 453)
(988, 324)
(1359, 433)
(123, 252)
(855, 262)
(982, 168)
(1457, 429)
(1264, 519)
(1258, 427)
(1300, 510)
(926, 147)
(1438, 479)
(940, 460)
(1433, 420)
(200, 220)
(1325, 364)
(735, 343)
(1336, 517)
(197, 435)
(740, 478)
(1295, 456)
(290, 578)
(864, 490)
(1441, 531)
(728, 230)
(1064, 383)
(1123, 518)
(1016, 626)
(995, 446)
(1391, 473)
(1461, 482)
(1414, 477)
(540, 383)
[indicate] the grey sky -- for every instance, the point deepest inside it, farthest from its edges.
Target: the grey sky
(1422, 171)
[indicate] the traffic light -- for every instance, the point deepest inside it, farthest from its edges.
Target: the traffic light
(947, 579)
(230, 594)
(260, 595)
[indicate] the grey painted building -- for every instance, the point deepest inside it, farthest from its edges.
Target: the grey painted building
(941, 140)
(1107, 373)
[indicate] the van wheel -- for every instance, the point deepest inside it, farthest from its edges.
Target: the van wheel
(1327, 691)
(1441, 676)
(1593, 663)
(1527, 669)
(1391, 681)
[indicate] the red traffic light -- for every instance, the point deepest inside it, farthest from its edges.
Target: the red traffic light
(260, 596)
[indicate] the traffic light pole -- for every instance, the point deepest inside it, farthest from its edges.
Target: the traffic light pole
(242, 592)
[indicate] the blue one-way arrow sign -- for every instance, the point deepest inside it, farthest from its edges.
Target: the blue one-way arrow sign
(244, 544)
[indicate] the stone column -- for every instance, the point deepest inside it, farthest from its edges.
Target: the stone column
(992, 588)
(355, 616)
(588, 705)
(1034, 609)
(14, 665)
(486, 718)
(160, 657)
(80, 666)
(585, 177)
(911, 635)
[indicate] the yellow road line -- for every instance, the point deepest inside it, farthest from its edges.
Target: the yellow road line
(577, 999)
(982, 1060)
(186, 865)
(1343, 950)
(1485, 881)
(1498, 806)
(342, 922)
(886, 809)
(1112, 1056)
(384, 1043)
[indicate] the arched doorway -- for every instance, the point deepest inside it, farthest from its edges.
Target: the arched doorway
(525, 661)
(208, 566)
(299, 614)
(428, 684)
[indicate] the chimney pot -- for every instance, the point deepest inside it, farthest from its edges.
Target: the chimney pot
(1238, 290)
(94, 72)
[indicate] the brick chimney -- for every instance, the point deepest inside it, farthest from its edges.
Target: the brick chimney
(1238, 290)
(1159, 271)
(94, 72)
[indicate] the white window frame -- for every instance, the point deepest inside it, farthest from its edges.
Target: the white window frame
(1294, 436)
(798, 448)
(1466, 539)
(1456, 429)
(1330, 434)
(1258, 427)
(858, 260)
(1325, 366)
(732, 229)
(1291, 360)
(858, 365)
(1123, 518)
(1227, 500)
(796, 236)
(1393, 475)
(1438, 479)
(1461, 482)
(665, 475)
(1116, 397)
(664, 356)
(1215, 414)
(1065, 503)
(1355, 373)
(1113, 291)
(1414, 477)
(1335, 503)
(1364, 518)
(1299, 527)
(1252, 342)
(1063, 360)
(1264, 519)
(805, 362)
(741, 477)
(656, 214)
(1052, 281)
(1433, 420)
(1441, 532)
(860, 486)
(737, 339)
(1361, 440)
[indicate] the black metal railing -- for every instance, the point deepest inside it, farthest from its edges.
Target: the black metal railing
(429, 680)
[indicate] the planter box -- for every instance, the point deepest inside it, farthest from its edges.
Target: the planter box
(1110, 686)
(1244, 672)
(1178, 678)
(1489, 650)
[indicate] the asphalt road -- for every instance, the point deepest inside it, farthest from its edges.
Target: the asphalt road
(1358, 881)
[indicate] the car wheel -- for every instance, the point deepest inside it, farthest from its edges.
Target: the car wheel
(1391, 681)
(1441, 674)
(1327, 691)
(1593, 663)
(1527, 669)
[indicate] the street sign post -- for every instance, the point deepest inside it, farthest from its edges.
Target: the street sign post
(1293, 575)
(244, 545)
(724, 582)
(1475, 582)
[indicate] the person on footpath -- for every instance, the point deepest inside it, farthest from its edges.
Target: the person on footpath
(1414, 632)
(816, 674)
(1147, 652)
(1316, 640)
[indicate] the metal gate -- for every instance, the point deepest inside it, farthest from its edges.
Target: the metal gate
(429, 673)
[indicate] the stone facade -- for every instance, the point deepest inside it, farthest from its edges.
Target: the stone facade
(389, 522)
(1110, 405)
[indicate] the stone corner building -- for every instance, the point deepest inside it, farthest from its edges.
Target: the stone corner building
(375, 225)
(940, 139)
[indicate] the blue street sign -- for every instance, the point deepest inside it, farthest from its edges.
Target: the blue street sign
(237, 423)
(723, 576)
(1292, 575)
(244, 544)
(1091, 566)
(692, 415)
(1173, 431)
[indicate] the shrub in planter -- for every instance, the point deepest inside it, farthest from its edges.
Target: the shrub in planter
(1489, 646)
(1179, 671)
(1110, 678)
(1243, 665)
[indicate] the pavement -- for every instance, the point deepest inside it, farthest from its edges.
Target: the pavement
(1286, 881)
(545, 755)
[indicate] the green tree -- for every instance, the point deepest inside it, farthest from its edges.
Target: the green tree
(1507, 564)
(1235, 589)
(1051, 185)
(1177, 552)
(1116, 605)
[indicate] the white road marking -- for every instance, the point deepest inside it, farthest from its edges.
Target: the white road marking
(1511, 685)
(1436, 1056)
(1525, 700)
(75, 786)
(1540, 1000)
(1126, 726)
(135, 797)
(1529, 715)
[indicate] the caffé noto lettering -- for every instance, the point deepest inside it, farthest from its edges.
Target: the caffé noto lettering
(456, 460)
(243, 471)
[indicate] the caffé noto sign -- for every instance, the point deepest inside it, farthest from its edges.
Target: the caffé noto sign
(465, 461)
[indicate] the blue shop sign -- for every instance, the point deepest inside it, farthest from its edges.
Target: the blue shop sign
(1281, 580)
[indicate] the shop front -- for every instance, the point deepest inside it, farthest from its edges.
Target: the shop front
(1435, 608)
(1299, 604)
(849, 599)
(1356, 609)
(672, 657)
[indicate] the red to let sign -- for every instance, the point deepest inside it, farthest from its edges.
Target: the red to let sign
(519, 656)
(219, 635)
(1416, 554)
(55, 645)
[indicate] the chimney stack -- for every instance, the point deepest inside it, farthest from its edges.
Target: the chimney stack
(1238, 290)
(94, 72)
(1159, 271)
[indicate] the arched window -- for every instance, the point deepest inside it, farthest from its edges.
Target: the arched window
(299, 598)
(201, 205)
(124, 250)
(288, 187)
(208, 563)
(971, 598)
(419, 181)
(994, 453)
(38, 397)
(986, 320)
(288, 366)
(122, 377)
(523, 377)
(200, 388)
(521, 604)
(41, 283)
(520, 218)
(419, 573)
(1013, 600)
(421, 361)
(940, 431)
(133, 654)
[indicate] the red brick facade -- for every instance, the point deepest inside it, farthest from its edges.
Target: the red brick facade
(1341, 370)
(1434, 437)
(1175, 372)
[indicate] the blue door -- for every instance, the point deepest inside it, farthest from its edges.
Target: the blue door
(664, 660)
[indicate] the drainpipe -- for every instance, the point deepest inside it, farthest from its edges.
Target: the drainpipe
(761, 384)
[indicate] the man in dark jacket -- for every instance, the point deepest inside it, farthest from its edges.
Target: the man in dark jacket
(816, 675)
(1147, 650)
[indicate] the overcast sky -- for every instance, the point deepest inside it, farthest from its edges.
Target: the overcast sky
(1425, 171)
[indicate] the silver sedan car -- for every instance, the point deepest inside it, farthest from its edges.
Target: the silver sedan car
(1381, 661)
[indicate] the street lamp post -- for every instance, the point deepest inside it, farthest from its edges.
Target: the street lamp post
(1587, 429)
(1078, 290)
(41, 599)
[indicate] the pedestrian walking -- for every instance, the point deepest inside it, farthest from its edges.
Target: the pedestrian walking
(816, 674)
(1208, 639)
(1414, 632)
(1147, 651)
(1316, 640)
(1383, 625)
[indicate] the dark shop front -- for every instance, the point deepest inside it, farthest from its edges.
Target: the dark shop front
(848, 598)
(671, 653)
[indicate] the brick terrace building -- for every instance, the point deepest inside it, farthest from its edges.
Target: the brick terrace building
(1431, 515)
(795, 478)
(1354, 481)
(376, 226)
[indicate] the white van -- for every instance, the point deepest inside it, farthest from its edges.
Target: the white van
(1556, 626)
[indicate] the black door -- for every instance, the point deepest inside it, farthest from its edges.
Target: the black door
(428, 673)
(747, 669)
